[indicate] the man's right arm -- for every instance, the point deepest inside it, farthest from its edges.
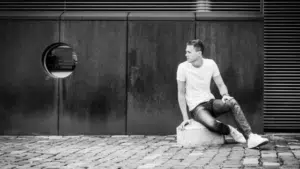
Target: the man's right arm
(181, 99)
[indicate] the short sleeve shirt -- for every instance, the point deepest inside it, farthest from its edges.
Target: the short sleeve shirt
(197, 81)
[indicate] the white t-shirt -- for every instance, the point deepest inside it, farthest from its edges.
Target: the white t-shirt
(197, 81)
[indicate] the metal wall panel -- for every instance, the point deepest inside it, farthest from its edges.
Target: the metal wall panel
(124, 67)
(27, 94)
(237, 48)
(95, 94)
(155, 48)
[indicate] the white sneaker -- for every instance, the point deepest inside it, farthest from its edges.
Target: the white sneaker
(236, 135)
(256, 140)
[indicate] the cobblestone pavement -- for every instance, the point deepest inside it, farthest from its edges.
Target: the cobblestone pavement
(142, 152)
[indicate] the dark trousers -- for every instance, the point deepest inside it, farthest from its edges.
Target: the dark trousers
(207, 112)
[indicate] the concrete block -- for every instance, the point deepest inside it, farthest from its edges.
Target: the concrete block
(195, 134)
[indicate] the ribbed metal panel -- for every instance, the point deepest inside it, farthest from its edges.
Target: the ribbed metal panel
(281, 66)
(196, 5)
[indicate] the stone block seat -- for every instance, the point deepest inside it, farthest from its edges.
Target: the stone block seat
(195, 134)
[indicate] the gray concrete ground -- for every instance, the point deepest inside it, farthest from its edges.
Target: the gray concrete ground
(143, 152)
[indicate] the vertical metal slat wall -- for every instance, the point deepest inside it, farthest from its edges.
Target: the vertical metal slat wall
(281, 66)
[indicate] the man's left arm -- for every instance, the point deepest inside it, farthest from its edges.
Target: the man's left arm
(222, 87)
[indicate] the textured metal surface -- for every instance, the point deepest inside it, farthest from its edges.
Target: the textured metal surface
(177, 16)
(95, 94)
(198, 5)
(27, 95)
(155, 48)
(95, 15)
(237, 48)
(281, 66)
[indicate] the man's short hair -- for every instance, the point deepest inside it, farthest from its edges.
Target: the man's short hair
(197, 43)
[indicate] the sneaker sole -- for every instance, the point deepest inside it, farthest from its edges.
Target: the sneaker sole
(261, 144)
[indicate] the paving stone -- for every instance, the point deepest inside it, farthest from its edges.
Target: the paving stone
(151, 156)
(285, 154)
(120, 136)
(251, 151)
(201, 161)
(270, 159)
(171, 138)
(149, 165)
(229, 162)
(282, 150)
(196, 154)
(297, 153)
(271, 155)
(289, 167)
(9, 166)
(194, 167)
(140, 151)
(159, 167)
(291, 163)
(268, 151)
(17, 152)
(251, 167)
(238, 158)
(55, 137)
(294, 143)
(271, 165)
(250, 161)
(137, 136)
(231, 166)
(178, 167)
(293, 147)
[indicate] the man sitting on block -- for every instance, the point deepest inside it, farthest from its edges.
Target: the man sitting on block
(193, 80)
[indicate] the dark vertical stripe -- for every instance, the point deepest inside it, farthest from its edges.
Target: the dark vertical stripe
(59, 81)
(262, 6)
(195, 28)
(61, 102)
(127, 74)
(57, 100)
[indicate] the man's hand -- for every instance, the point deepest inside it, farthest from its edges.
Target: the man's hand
(184, 123)
(225, 98)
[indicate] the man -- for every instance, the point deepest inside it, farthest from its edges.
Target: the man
(193, 80)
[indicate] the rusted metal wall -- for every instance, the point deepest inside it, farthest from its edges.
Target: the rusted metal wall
(27, 94)
(125, 80)
(155, 47)
(95, 95)
(237, 48)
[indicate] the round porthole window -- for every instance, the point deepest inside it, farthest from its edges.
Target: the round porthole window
(59, 60)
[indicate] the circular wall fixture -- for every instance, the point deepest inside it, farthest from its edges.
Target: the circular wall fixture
(59, 60)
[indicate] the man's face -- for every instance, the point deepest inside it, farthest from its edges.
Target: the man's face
(191, 54)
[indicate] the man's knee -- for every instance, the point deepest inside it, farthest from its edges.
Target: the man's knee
(232, 102)
(219, 127)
